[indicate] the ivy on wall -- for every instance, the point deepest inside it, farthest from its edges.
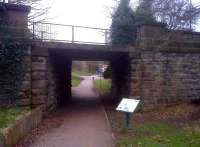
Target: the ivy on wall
(12, 68)
(12, 57)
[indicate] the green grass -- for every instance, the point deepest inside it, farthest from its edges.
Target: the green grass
(76, 80)
(103, 86)
(174, 125)
(81, 73)
(160, 134)
(8, 115)
(76, 77)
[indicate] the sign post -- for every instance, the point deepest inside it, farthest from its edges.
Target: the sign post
(128, 106)
(128, 118)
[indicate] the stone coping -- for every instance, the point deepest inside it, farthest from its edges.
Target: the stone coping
(20, 128)
(164, 26)
(14, 7)
(153, 24)
(156, 49)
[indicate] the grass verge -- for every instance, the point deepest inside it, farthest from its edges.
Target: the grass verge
(81, 73)
(8, 115)
(76, 80)
(176, 126)
(103, 86)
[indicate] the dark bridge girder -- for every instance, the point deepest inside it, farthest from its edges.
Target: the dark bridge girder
(83, 55)
(97, 52)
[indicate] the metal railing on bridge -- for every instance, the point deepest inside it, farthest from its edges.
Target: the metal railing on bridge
(68, 33)
(51, 32)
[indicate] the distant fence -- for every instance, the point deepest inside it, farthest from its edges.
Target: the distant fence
(68, 33)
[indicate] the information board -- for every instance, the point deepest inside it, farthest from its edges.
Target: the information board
(128, 105)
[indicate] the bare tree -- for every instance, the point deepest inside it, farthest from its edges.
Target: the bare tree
(178, 14)
(38, 10)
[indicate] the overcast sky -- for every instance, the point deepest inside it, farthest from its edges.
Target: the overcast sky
(92, 13)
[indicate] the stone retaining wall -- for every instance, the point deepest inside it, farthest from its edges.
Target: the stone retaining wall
(39, 80)
(24, 98)
(165, 70)
(170, 77)
(20, 128)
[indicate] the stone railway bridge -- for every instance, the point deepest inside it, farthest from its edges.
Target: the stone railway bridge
(51, 64)
(163, 66)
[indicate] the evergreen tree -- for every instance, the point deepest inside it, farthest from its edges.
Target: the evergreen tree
(144, 12)
(123, 29)
(107, 74)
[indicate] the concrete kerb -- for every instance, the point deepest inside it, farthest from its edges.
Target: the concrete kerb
(108, 122)
(20, 128)
(2, 141)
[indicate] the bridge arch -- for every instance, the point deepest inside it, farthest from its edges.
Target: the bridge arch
(51, 65)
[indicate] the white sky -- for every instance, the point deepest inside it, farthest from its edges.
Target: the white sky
(92, 13)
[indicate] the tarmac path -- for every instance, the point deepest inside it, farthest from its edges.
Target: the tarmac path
(84, 122)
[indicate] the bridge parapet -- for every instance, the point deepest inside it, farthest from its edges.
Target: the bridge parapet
(158, 36)
(52, 32)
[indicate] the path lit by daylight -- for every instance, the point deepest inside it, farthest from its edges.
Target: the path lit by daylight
(84, 124)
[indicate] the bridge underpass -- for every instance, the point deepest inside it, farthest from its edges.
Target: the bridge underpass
(83, 117)
(47, 80)
(59, 65)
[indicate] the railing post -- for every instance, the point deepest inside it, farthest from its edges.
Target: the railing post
(72, 34)
(42, 35)
(106, 36)
(33, 30)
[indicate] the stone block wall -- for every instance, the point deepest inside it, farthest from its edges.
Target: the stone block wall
(170, 77)
(52, 86)
(39, 80)
(168, 71)
(135, 72)
(24, 98)
(47, 81)
(16, 16)
(34, 89)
